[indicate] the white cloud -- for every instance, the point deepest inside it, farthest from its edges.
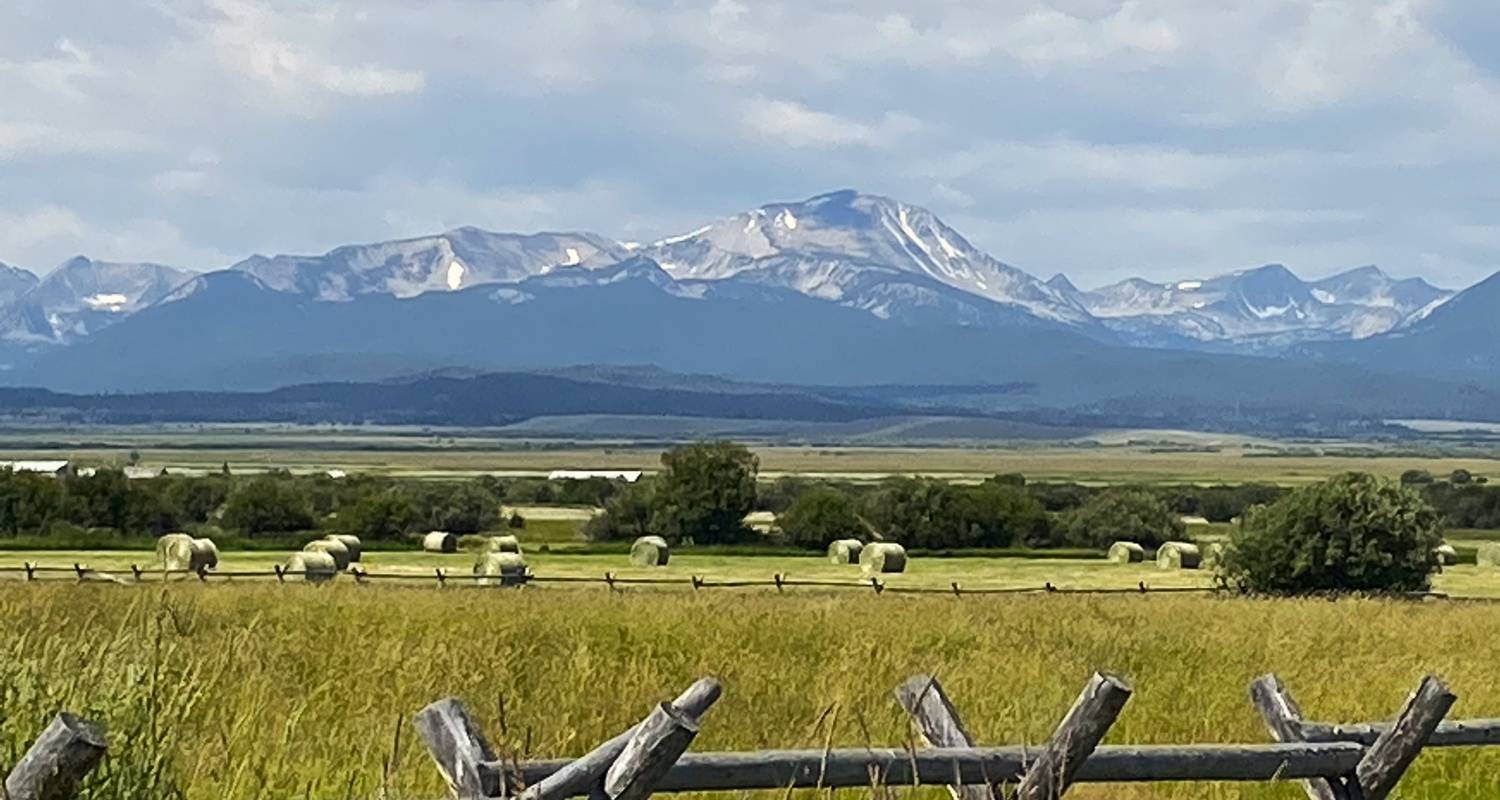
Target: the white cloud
(792, 124)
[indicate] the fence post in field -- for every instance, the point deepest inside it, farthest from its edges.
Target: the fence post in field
(441, 578)
(280, 573)
(79, 570)
(1283, 717)
(30, 570)
(459, 748)
(1387, 759)
(136, 571)
(655, 746)
(583, 775)
(1076, 736)
(924, 699)
(66, 751)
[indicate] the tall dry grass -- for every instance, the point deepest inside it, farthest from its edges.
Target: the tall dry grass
(294, 691)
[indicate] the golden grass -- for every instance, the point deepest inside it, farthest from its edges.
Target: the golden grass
(280, 691)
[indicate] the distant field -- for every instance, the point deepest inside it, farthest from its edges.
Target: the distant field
(442, 456)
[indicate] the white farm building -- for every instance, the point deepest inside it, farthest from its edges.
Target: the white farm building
(627, 475)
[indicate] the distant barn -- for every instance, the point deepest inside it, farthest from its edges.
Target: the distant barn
(627, 475)
(54, 468)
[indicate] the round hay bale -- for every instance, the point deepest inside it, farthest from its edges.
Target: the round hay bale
(882, 558)
(175, 551)
(1445, 555)
(1126, 553)
(845, 551)
(332, 547)
(315, 566)
(205, 555)
(503, 544)
(1179, 555)
(356, 548)
(440, 542)
(650, 551)
(500, 569)
(1213, 554)
(1488, 555)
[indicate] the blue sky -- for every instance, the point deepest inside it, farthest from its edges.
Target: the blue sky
(1161, 138)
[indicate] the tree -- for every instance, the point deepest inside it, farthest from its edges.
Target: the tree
(194, 499)
(819, 516)
(1416, 477)
(29, 503)
(467, 509)
(627, 515)
(935, 515)
(1461, 477)
(704, 492)
(387, 514)
(268, 505)
(1122, 515)
(1353, 532)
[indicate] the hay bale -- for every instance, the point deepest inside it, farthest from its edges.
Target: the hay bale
(315, 566)
(650, 551)
(882, 558)
(500, 569)
(1213, 554)
(205, 554)
(1445, 555)
(332, 547)
(845, 551)
(1179, 555)
(440, 542)
(1488, 555)
(181, 552)
(174, 551)
(503, 544)
(356, 548)
(1126, 553)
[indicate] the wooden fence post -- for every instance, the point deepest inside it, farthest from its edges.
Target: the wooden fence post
(1283, 717)
(1076, 736)
(652, 750)
(582, 775)
(66, 751)
(136, 571)
(459, 747)
(924, 699)
(1386, 760)
(79, 570)
(30, 571)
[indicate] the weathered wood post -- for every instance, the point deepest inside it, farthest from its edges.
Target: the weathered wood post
(583, 775)
(1386, 760)
(441, 578)
(655, 746)
(458, 746)
(924, 699)
(1076, 736)
(79, 571)
(280, 573)
(1283, 717)
(67, 750)
(778, 577)
(30, 570)
(136, 571)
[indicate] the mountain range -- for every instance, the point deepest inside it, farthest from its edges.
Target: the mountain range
(842, 288)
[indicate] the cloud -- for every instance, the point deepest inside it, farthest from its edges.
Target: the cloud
(793, 124)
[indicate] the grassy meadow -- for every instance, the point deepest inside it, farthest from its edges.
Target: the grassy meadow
(283, 691)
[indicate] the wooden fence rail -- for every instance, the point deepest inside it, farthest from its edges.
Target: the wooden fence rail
(1344, 762)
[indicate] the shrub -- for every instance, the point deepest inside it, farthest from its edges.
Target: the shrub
(1353, 532)
(704, 492)
(268, 505)
(627, 515)
(1122, 515)
(938, 515)
(819, 516)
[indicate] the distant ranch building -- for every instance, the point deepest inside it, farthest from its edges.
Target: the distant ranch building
(54, 468)
(627, 475)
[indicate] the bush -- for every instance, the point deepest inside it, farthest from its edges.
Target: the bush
(268, 505)
(819, 516)
(1353, 532)
(627, 515)
(388, 514)
(1122, 515)
(937, 515)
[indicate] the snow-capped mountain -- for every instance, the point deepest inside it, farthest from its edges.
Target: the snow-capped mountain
(14, 282)
(801, 245)
(1266, 307)
(82, 296)
(454, 260)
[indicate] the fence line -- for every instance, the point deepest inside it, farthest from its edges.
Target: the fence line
(1363, 761)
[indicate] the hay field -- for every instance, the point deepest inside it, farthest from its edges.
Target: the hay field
(297, 691)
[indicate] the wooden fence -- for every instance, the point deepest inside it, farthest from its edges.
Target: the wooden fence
(68, 749)
(1333, 762)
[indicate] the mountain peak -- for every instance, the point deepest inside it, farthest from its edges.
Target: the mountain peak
(1063, 284)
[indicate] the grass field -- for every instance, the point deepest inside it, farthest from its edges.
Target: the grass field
(298, 691)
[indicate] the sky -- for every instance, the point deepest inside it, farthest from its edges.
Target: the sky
(1166, 139)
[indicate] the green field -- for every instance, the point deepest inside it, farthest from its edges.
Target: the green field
(291, 691)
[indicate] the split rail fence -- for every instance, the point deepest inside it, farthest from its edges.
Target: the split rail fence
(1333, 762)
(68, 749)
